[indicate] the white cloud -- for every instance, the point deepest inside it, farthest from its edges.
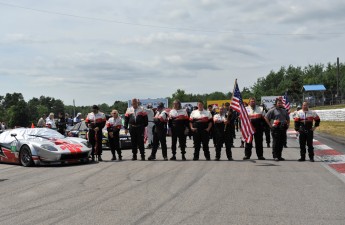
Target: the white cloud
(132, 49)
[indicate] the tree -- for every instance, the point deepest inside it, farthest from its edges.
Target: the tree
(18, 115)
(216, 96)
(120, 106)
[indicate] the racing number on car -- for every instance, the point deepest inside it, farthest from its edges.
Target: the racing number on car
(72, 147)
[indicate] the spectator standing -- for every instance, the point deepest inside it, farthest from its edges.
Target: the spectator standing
(50, 121)
(178, 122)
(77, 119)
(114, 125)
(223, 129)
(42, 121)
(200, 124)
(160, 132)
(280, 124)
(96, 121)
(256, 115)
(135, 122)
(304, 120)
(61, 123)
(150, 115)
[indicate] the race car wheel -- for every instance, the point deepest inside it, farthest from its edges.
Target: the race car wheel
(25, 156)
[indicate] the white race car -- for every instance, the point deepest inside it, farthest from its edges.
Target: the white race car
(41, 146)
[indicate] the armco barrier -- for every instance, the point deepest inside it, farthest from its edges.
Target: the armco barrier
(331, 114)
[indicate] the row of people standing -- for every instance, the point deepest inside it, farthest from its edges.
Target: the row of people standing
(278, 121)
(200, 122)
(60, 123)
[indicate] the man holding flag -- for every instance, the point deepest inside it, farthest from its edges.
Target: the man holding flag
(247, 129)
(256, 115)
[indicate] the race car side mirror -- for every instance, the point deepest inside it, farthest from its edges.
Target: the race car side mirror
(14, 135)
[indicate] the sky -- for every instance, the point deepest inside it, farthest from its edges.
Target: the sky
(103, 51)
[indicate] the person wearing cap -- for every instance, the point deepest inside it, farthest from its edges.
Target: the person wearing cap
(223, 128)
(135, 122)
(114, 125)
(306, 121)
(200, 123)
(77, 119)
(150, 115)
(95, 120)
(256, 115)
(50, 121)
(280, 123)
(160, 132)
(178, 122)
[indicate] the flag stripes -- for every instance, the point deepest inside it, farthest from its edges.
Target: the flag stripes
(247, 128)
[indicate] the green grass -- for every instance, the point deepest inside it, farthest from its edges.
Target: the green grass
(334, 128)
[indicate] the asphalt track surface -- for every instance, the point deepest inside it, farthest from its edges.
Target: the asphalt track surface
(175, 192)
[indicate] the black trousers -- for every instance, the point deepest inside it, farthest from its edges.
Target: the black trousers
(95, 139)
(159, 136)
(222, 137)
(178, 133)
(258, 138)
(114, 143)
(201, 136)
(279, 138)
(306, 137)
(267, 131)
(137, 140)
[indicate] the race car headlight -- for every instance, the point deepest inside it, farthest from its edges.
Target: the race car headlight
(87, 144)
(49, 148)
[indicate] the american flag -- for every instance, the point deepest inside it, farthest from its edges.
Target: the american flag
(286, 103)
(247, 128)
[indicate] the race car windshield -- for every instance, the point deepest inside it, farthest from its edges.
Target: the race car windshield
(45, 133)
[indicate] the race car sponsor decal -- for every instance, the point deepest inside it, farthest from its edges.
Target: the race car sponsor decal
(2, 154)
(7, 156)
(73, 148)
(65, 145)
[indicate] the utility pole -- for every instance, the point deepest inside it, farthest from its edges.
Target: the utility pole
(338, 74)
(73, 108)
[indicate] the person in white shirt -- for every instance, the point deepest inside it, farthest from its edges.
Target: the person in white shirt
(77, 119)
(200, 124)
(114, 125)
(50, 121)
(150, 115)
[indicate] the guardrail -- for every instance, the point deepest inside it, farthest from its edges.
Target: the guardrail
(331, 114)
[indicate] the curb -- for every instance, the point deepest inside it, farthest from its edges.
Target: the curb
(332, 159)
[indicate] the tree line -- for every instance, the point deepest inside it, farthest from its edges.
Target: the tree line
(16, 112)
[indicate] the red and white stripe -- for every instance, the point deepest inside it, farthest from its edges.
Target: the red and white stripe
(247, 129)
(333, 159)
